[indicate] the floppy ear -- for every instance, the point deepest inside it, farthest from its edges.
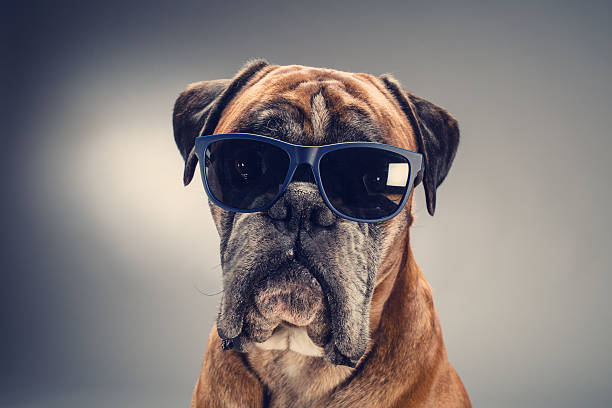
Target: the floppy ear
(198, 109)
(437, 135)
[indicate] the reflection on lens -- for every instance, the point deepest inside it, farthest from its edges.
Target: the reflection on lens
(245, 174)
(364, 183)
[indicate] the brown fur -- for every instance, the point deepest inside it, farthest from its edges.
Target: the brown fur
(406, 363)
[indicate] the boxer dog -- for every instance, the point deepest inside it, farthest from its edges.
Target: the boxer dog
(319, 310)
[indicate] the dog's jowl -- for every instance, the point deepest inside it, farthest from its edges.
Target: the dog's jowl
(323, 303)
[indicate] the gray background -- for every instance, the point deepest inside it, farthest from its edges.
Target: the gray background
(106, 257)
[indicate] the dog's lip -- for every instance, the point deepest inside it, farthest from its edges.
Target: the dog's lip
(258, 279)
(295, 258)
(230, 319)
(294, 297)
(332, 352)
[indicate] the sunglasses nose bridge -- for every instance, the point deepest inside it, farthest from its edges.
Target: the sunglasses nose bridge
(306, 154)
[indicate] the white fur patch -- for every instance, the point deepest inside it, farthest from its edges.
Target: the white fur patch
(294, 339)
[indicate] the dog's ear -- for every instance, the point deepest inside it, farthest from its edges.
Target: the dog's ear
(437, 135)
(198, 109)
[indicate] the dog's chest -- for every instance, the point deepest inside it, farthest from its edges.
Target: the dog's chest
(294, 380)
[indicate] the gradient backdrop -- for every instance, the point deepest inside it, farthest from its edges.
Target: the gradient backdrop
(107, 260)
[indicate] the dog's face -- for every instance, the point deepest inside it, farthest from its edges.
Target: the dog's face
(297, 276)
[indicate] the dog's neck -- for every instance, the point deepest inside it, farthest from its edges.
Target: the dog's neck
(297, 380)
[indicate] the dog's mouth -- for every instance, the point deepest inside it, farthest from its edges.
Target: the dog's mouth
(317, 296)
(290, 298)
(286, 310)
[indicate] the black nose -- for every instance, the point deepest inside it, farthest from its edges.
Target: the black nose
(301, 206)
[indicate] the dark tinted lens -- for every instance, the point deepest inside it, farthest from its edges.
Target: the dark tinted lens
(245, 174)
(363, 182)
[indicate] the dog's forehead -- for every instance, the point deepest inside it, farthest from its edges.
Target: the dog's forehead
(316, 106)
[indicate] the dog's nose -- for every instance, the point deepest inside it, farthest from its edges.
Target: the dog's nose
(301, 206)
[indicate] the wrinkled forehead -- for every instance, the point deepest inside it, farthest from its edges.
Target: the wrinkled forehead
(314, 106)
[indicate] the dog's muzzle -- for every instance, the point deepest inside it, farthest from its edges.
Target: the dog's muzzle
(296, 274)
(292, 298)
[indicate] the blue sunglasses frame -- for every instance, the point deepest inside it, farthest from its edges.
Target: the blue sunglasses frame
(310, 155)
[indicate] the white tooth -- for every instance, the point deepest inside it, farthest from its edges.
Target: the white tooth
(292, 338)
(300, 342)
(278, 341)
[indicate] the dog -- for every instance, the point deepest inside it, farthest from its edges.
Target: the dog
(320, 311)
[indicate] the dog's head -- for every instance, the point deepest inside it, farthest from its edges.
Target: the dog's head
(297, 276)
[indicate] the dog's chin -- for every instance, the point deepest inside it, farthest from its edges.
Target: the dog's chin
(287, 311)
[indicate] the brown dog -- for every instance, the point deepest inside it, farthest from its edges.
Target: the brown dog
(319, 311)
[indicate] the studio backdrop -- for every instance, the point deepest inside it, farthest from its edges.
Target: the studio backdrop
(110, 273)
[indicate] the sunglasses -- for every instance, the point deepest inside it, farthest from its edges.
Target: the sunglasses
(359, 181)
